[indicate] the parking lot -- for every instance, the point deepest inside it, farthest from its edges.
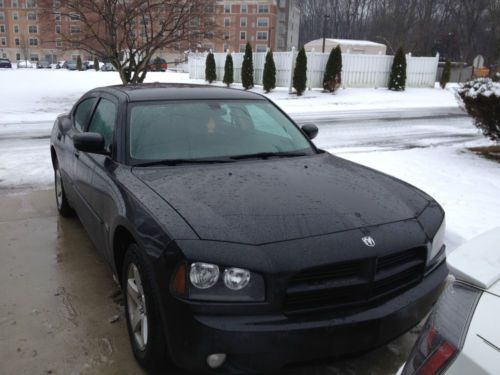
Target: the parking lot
(60, 310)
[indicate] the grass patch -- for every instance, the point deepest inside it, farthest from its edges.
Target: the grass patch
(488, 152)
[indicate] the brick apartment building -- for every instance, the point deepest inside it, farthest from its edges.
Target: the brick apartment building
(28, 34)
(263, 23)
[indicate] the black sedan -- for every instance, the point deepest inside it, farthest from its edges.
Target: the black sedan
(5, 63)
(239, 245)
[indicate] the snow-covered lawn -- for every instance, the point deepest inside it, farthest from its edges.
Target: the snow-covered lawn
(435, 160)
(39, 95)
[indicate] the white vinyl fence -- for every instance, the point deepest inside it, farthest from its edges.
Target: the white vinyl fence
(357, 70)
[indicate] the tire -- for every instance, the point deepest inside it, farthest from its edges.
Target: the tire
(146, 338)
(63, 206)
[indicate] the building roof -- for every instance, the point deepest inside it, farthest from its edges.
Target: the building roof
(351, 42)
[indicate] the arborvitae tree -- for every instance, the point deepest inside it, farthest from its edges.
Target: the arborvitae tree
(78, 63)
(333, 71)
(228, 70)
(96, 64)
(300, 72)
(210, 69)
(247, 68)
(397, 79)
(269, 75)
(445, 76)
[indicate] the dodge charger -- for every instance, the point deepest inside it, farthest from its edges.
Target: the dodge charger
(239, 245)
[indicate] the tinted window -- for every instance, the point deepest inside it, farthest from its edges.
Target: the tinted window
(82, 113)
(103, 121)
(193, 129)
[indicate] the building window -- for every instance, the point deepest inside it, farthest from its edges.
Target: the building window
(3, 41)
(14, 3)
(34, 57)
(32, 29)
(2, 28)
(226, 47)
(31, 16)
(57, 16)
(58, 29)
(263, 8)
(227, 21)
(30, 3)
(16, 29)
(243, 8)
(1, 3)
(243, 47)
(243, 35)
(261, 35)
(227, 8)
(2, 16)
(15, 16)
(263, 22)
(75, 29)
(261, 48)
(243, 22)
(58, 43)
(33, 41)
(17, 42)
(226, 35)
(74, 17)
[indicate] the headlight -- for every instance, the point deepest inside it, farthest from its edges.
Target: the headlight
(437, 243)
(209, 282)
(203, 275)
(236, 278)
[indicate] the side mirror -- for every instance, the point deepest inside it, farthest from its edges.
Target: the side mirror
(64, 124)
(90, 142)
(311, 130)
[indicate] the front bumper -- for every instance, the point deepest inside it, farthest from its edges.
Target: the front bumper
(262, 343)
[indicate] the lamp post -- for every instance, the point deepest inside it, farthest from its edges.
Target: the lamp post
(325, 17)
(269, 37)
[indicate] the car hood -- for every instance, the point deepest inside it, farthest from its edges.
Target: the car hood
(263, 201)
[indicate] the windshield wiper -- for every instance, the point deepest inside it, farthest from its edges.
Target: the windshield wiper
(264, 155)
(183, 161)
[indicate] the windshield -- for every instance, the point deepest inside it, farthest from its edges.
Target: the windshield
(195, 130)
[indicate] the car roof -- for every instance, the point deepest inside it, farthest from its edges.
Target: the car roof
(178, 91)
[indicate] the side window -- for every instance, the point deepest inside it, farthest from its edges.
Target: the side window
(82, 113)
(103, 121)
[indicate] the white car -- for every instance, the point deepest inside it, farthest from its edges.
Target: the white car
(462, 334)
(24, 64)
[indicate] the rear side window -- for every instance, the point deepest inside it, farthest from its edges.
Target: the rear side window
(103, 121)
(82, 113)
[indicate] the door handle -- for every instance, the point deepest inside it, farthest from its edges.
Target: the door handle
(77, 154)
(59, 136)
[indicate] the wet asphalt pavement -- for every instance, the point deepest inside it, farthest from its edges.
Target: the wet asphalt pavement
(59, 302)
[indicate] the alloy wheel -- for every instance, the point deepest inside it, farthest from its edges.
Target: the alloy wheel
(136, 303)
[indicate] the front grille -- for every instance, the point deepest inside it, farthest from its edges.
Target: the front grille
(354, 284)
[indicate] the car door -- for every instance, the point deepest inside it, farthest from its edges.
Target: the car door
(102, 192)
(79, 118)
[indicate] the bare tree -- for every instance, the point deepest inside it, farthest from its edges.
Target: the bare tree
(458, 29)
(127, 33)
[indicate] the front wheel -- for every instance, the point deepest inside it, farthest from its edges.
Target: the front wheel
(142, 312)
(63, 205)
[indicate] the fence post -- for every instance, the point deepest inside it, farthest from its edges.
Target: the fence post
(309, 69)
(292, 67)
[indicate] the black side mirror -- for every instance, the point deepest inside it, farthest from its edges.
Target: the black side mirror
(90, 142)
(311, 130)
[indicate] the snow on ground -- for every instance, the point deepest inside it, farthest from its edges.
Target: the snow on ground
(428, 153)
(39, 95)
